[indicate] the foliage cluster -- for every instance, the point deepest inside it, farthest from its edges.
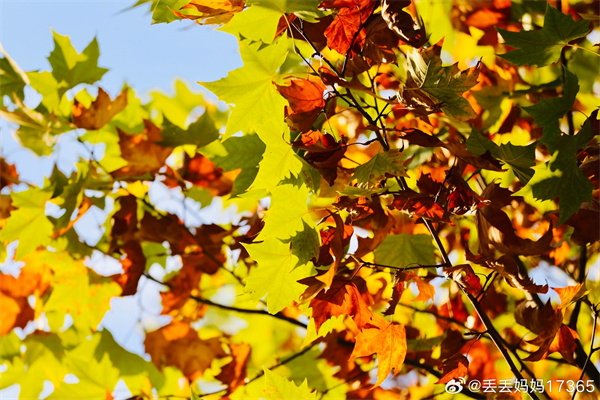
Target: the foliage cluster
(399, 194)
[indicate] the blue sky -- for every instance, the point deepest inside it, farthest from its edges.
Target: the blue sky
(144, 55)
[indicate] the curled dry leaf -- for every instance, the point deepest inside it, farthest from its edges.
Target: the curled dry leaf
(465, 276)
(496, 231)
(508, 268)
(402, 23)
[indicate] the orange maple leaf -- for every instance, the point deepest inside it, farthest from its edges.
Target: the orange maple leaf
(179, 345)
(134, 265)
(34, 278)
(8, 174)
(100, 112)
(342, 298)
(454, 367)
(233, 374)
(343, 33)
(570, 293)
(305, 98)
(142, 152)
(388, 340)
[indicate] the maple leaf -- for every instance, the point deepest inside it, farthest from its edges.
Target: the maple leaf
(420, 138)
(508, 268)
(34, 278)
(16, 313)
(71, 68)
(561, 177)
(496, 231)
(547, 112)
(343, 32)
(233, 374)
(201, 171)
(211, 12)
(322, 152)
(178, 344)
(200, 133)
(334, 240)
(465, 276)
(142, 152)
(520, 159)
(237, 153)
(306, 102)
(543, 46)
(454, 367)
(28, 223)
(432, 85)
(181, 287)
(547, 323)
(279, 388)
(277, 275)
(134, 265)
(420, 205)
(388, 340)
(100, 112)
(570, 293)
(8, 174)
(402, 24)
(402, 250)
(342, 298)
(383, 165)
(258, 106)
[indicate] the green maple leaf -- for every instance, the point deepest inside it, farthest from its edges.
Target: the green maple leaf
(433, 83)
(520, 159)
(71, 68)
(237, 153)
(12, 78)
(561, 176)
(404, 249)
(382, 165)
(543, 46)
(287, 214)
(68, 192)
(29, 223)
(177, 108)
(199, 133)
(278, 387)
(256, 104)
(305, 243)
(547, 112)
(259, 22)
(277, 275)
(279, 162)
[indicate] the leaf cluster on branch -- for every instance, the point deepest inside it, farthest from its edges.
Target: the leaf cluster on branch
(400, 195)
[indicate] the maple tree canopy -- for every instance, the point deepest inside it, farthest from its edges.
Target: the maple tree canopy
(399, 195)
